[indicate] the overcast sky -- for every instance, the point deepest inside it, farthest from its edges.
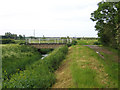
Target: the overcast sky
(48, 17)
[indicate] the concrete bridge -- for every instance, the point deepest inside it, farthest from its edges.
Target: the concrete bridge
(47, 43)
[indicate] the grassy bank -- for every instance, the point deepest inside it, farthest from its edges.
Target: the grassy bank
(84, 68)
(89, 70)
(40, 74)
(16, 57)
(87, 42)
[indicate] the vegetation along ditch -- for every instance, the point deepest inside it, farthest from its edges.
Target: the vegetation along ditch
(24, 68)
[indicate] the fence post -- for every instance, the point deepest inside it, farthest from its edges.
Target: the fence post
(48, 40)
(70, 40)
(29, 40)
(54, 41)
(39, 40)
(58, 40)
(26, 41)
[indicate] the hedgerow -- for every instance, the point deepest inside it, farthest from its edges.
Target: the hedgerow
(39, 74)
(7, 41)
(54, 59)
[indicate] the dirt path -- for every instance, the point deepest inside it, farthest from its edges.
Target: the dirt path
(103, 50)
(99, 49)
(79, 59)
(63, 75)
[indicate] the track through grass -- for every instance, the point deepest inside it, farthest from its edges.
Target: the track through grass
(84, 68)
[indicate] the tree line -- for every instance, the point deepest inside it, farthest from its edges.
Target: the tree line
(107, 18)
(9, 35)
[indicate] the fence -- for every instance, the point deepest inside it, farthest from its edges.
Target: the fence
(48, 40)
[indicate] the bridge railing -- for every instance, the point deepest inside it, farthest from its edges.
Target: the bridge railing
(48, 40)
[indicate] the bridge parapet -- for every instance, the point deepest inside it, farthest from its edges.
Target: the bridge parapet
(48, 41)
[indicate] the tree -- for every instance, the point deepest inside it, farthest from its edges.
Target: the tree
(107, 21)
(20, 37)
(43, 37)
(10, 35)
(24, 37)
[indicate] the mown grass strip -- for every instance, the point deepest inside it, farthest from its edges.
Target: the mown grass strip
(86, 42)
(88, 69)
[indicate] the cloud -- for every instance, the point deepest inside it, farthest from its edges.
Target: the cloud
(58, 16)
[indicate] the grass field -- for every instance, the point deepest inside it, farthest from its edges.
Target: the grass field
(86, 42)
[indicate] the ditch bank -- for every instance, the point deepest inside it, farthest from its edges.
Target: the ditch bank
(40, 74)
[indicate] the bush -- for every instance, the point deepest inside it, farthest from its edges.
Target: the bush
(97, 43)
(16, 57)
(39, 77)
(20, 42)
(54, 59)
(7, 41)
(69, 44)
(40, 74)
(44, 51)
(74, 42)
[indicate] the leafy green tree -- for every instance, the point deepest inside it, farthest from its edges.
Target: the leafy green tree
(107, 21)
(20, 37)
(10, 35)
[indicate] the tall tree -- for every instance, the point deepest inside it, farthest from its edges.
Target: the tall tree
(107, 21)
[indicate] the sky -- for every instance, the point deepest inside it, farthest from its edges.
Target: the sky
(51, 18)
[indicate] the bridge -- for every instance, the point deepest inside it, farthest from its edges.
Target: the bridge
(47, 43)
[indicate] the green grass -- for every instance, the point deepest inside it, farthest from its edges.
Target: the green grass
(84, 78)
(40, 74)
(86, 42)
(89, 70)
(19, 41)
(111, 66)
(15, 57)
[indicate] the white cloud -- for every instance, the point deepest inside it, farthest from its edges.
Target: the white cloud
(48, 17)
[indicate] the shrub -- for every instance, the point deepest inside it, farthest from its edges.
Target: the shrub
(39, 77)
(54, 59)
(16, 57)
(39, 74)
(97, 43)
(74, 42)
(44, 51)
(20, 42)
(69, 44)
(7, 41)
